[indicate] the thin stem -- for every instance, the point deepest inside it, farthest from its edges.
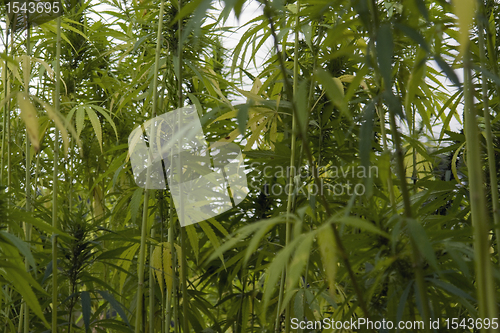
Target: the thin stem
(185, 322)
(27, 226)
(151, 287)
(480, 217)
(142, 250)
(55, 180)
(489, 133)
(140, 269)
(338, 241)
(416, 257)
(5, 109)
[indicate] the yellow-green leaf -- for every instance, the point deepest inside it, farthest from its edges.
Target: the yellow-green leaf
(326, 243)
(30, 118)
(95, 124)
(79, 120)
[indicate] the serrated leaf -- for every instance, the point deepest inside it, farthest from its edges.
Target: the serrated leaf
(22, 246)
(193, 239)
(115, 304)
(417, 232)
(30, 118)
(26, 66)
(106, 115)
(298, 263)
(334, 90)
(219, 226)
(450, 73)
(168, 269)
(59, 124)
(242, 117)
(326, 243)
(211, 236)
(94, 120)
(126, 261)
(86, 309)
(135, 203)
(385, 48)
(360, 224)
(277, 266)
(80, 120)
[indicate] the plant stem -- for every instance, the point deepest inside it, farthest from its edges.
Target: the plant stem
(480, 219)
(27, 226)
(185, 322)
(151, 287)
(55, 179)
(338, 241)
(489, 132)
(142, 251)
(5, 109)
(416, 257)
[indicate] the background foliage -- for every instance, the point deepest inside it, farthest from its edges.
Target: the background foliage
(346, 85)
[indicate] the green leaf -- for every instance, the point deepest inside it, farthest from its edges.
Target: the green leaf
(242, 117)
(277, 266)
(111, 300)
(211, 236)
(30, 118)
(417, 232)
(219, 226)
(13, 271)
(86, 309)
(366, 134)
(334, 90)
(297, 265)
(95, 124)
(385, 48)
(452, 289)
(105, 114)
(135, 203)
(327, 248)
(22, 246)
(80, 120)
(193, 239)
(402, 302)
(450, 73)
(415, 35)
(359, 223)
(300, 97)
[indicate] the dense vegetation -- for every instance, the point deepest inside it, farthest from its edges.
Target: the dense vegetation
(365, 200)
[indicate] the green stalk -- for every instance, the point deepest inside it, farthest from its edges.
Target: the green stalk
(291, 181)
(489, 133)
(55, 181)
(142, 251)
(5, 109)
(185, 322)
(416, 257)
(268, 13)
(480, 217)
(169, 293)
(27, 226)
(151, 287)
